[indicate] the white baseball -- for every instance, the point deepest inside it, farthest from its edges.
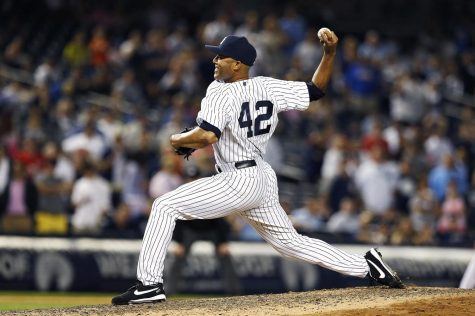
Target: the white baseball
(320, 32)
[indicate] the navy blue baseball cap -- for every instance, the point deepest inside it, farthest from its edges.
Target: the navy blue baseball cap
(237, 48)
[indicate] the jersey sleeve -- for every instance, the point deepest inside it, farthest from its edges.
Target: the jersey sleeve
(213, 115)
(290, 95)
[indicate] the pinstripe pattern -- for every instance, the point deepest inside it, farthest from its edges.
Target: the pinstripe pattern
(251, 192)
(222, 107)
(242, 190)
(273, 224)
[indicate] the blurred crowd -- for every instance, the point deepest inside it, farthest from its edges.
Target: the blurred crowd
(87, 107)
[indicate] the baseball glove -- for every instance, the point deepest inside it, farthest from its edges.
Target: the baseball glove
(185, 151)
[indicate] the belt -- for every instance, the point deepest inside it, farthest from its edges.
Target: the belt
(245, 164)
(240, 165)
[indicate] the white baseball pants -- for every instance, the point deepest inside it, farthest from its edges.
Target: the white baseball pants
(251, 192)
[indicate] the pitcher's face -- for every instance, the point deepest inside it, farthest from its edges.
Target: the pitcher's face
(223, 68)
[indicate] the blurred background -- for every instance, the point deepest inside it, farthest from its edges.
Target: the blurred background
(91, 90)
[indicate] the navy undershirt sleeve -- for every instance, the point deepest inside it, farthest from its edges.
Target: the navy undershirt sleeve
(314, 92)
(209, 127)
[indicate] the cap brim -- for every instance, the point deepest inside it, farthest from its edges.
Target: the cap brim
(214, 49)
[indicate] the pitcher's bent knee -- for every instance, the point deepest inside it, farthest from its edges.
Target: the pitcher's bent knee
(160, 206)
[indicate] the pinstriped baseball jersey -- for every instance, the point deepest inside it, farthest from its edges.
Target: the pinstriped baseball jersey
(244, 113)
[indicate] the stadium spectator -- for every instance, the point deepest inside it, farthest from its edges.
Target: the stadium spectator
(110, 125)
(167, 179)
(452, 224)
(133, 130)
(367, 227)
(178, 40)
(437, 145)
(250, 28)
(374, 137)
(174, 124)
(129, 50)
(405, 188)
(406, 100)
(424, 207)
(312, 217)
(15, 54)
(215, 30)
(52, 215)
(307, 53)
(449, 170)
(452, 84)
(413, 152)
(76, 52)
(180, 76)
(376, 180)
(119, 224)
(28, 154)
(63, 167)
(147, 152)
(403, 233)
(293, 24)
(19, 201)
(342, 185)
(46, 73)
(128, 87)
(346, 220)
(332, 160)
(134, 186)
(372, 48)
(362, 80)
(88, 142)
(91, 199)
(392, 134)
(99, 47)
(34, 128)
(116, 168)
(384, 226)
(313, 156)
(273, 40)
(64, 118)
(154, 58)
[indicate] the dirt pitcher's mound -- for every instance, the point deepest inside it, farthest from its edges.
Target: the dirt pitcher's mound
(349, 301)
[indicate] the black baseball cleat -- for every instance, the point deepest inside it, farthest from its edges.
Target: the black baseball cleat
(140, 294)
(381, 272)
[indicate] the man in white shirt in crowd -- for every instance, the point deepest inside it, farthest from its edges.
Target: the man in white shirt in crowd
(91, 197)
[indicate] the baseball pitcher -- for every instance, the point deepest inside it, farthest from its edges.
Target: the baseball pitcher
(238, 116)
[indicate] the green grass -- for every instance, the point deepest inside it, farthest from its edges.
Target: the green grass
(15, 301)
(40, 300)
